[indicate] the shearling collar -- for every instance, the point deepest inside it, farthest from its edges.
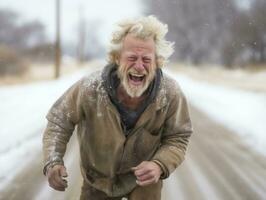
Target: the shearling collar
(158, 103)
(128, 117)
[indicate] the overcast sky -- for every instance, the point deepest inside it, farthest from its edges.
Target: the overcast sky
(106, 12)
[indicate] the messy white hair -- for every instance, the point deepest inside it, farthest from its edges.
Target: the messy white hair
(142, 28)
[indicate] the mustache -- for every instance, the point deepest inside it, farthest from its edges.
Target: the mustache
(134, 71)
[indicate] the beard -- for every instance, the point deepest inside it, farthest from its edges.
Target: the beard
(132, 89)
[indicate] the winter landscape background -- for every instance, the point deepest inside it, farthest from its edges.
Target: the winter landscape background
(219, 63)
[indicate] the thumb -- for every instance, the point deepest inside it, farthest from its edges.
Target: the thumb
(63, 172)
(139, 166)
(134, 168)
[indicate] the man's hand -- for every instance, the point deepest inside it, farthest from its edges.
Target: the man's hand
(56, 175)
(147, 172)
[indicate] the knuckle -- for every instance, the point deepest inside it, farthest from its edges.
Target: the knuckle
(153, 174)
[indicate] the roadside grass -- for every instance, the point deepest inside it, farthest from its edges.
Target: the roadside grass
(251, 78)
(38, 72)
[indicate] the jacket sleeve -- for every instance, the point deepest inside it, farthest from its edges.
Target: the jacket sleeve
(175, 136)
(62, 118)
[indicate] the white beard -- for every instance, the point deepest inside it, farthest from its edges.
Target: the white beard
(133, 90)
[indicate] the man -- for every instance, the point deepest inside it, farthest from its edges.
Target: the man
(132, 120)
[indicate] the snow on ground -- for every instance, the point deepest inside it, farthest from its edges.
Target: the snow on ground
(244, 112)
(23, 109)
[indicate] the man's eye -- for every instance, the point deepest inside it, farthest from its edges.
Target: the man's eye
(146, 60)
(132, 58)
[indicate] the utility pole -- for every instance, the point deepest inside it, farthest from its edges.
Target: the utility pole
(57, 41)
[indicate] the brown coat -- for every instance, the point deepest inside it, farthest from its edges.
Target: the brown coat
(161, 134)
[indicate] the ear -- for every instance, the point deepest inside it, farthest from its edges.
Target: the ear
(159, 62)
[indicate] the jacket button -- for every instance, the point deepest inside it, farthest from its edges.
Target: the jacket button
(124, 198)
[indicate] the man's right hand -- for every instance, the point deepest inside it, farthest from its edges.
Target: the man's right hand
(56, 175)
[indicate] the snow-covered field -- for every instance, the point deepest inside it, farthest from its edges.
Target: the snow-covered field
(244, 112)
(23, 109)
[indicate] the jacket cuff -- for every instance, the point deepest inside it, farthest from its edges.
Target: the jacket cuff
(165, 173)
(51, 164)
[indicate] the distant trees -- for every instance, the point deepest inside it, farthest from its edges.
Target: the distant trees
(20, 40)
(213, 31)
(19, 35)
(247, 42)
(89, 45)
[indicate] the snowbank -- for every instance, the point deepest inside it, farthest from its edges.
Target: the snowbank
(244, 112)
(23, 110)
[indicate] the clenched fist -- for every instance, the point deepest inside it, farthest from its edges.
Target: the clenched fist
(56, 175)
(147, 172)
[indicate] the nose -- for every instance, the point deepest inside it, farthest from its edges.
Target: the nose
(139, 65)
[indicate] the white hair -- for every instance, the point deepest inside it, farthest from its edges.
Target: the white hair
(142, 28)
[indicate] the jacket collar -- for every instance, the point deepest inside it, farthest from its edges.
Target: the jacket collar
(159, 102)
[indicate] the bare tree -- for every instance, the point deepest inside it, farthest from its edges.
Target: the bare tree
(20, 36)
(17, 40)
(247, 41)
(197, 27)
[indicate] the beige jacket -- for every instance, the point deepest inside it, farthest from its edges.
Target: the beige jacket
(161, 134)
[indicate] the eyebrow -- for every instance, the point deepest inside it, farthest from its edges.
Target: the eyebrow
(134, 54)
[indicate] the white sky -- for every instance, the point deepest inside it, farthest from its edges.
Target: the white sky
(107, 12)
(244, 4)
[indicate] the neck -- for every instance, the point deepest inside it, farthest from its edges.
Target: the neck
(128, 101)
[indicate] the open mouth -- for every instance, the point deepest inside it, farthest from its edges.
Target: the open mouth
(136, 79)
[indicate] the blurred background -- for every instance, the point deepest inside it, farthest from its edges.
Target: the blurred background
(219, 62)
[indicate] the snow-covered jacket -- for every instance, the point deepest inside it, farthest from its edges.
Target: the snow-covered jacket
(106, 154)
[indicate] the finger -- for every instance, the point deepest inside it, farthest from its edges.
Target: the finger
(134, 168)
(60, 181)
(54, 184)
(56, 187)
(63, 172)
(145, 183)
(141, 165)
(145, 177)
(142, 171)
(57, 179)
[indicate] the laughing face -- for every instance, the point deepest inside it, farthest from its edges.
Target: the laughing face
(137, 65)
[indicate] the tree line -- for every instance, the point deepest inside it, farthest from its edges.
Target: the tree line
(24, 42)
(21, 41)
(214, 31)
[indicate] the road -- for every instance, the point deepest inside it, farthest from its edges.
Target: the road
(218, 166)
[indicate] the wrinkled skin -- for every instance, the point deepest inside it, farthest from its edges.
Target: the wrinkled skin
(137, 65)
(56, 175)
(147, 173)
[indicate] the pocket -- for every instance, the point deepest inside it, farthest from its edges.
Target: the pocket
(146, 144)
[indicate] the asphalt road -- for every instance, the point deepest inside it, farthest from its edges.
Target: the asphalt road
(218, 166)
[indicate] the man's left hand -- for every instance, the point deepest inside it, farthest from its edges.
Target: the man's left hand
(147, 172)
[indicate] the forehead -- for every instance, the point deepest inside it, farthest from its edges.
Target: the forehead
(132, 44)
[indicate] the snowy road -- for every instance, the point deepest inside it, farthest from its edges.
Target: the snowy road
(218, 166)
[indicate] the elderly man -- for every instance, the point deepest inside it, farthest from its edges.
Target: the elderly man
(132, 120)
